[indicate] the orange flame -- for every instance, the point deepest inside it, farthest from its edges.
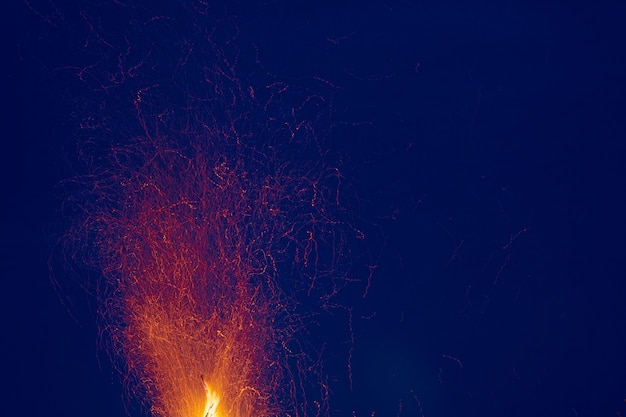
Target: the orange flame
(192, 305)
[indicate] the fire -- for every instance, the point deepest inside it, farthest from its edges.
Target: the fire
(207, 217)
(192, 306)
(212, 401)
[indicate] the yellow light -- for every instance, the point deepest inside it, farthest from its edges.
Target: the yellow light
(212, 400)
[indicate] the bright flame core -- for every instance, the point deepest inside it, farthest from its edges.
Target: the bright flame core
(212, 401)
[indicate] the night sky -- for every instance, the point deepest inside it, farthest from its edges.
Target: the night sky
(487, 147)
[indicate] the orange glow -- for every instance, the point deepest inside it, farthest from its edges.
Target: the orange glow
(209, 208)
(191, 302)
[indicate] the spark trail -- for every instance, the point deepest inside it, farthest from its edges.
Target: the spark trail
(206, 226)
(189, 245)
(196, 308)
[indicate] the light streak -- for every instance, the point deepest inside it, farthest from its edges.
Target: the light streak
(207, 214)
(187, 245)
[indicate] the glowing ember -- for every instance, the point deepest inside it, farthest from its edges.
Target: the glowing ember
(195, 306)
(208, 215)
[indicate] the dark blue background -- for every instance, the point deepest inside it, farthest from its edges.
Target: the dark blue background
(479, 121)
